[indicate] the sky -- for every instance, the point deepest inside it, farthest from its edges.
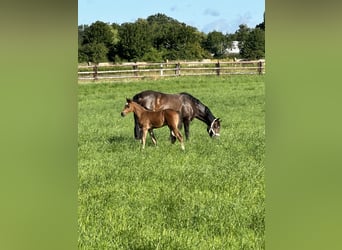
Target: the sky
(205, 15)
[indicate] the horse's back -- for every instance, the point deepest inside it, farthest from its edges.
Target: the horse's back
(154, 100)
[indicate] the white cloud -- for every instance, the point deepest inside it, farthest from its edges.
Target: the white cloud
(174, 8)
(222, 25)
(211, 12)
(225, 25)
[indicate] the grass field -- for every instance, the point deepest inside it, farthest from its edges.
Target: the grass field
(211, 196)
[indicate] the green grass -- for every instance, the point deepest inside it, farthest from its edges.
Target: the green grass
(211, 196)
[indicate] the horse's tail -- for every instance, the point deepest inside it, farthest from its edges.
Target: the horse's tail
(137, 134)
(137, 130)
(180, 121)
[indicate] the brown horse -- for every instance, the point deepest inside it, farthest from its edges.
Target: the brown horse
(148, 120)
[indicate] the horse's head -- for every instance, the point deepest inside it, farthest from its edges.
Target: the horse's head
(214, 128)
(127, 108)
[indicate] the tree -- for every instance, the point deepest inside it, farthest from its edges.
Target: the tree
(96, 41)
(93, 52)
(134, 40)
(242, 34)
(98, 32)
(175, 40)
(254, 45)
(113, 54)
(160, 37)
(261, 25)
(216, 43)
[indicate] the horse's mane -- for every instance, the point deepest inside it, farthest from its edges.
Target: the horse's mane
(193, 99)
(199, 104)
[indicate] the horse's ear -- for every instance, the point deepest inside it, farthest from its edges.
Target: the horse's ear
(128, 100)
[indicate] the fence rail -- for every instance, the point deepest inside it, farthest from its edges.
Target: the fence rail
(142, 70)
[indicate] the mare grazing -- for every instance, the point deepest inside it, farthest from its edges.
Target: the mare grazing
(148, 120)
(188, 106)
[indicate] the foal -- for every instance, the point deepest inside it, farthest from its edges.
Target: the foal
(148, 120)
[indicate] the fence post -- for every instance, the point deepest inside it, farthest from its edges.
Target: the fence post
(260, 67)
(217, 68)
(161, 70)
(177, 71)
(135, 68)
(95, 72)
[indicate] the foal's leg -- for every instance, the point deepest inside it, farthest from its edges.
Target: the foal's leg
(173, 137)
(152, 136)
(179, 136)
(154, 140)
(144, 134)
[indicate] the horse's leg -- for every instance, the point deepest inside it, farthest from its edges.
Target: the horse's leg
(154, 140)
(137, 129)
(186, 128)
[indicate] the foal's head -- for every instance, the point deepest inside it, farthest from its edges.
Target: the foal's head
(214, 128)
(129, 107)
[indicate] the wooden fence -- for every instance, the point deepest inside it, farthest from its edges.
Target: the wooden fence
(142, 70)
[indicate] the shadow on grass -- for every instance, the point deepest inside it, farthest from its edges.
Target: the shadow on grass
(116, 139)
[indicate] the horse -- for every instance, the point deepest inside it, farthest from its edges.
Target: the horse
(187, 105)
(148, 120)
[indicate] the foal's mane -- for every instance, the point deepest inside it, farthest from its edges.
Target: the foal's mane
(136, 104)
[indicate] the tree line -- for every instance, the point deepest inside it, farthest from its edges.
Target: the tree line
(160, 38)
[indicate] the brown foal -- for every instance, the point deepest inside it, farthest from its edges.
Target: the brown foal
(148, 120)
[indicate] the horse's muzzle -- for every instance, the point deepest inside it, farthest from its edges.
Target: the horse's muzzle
(123, 114)
(212, 134)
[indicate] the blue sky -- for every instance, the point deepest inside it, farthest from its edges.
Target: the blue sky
(205, 15)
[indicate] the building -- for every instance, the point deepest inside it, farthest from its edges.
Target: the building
(234, 49)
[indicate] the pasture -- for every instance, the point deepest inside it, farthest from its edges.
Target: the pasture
(210, 196)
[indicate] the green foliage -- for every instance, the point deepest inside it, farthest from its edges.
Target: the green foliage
(211, 196)
(216, 43)
(254, 46)
(153, 55)
(174, 39)
(158, 38)
(94, 52)
(242, 33)
(97, 39)
(261, 25)
(134, 40)
(98, 32)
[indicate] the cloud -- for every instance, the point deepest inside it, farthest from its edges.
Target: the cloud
(222, 25)
(211, 12)
(229, 25)
(246, 18)
(174, 8)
